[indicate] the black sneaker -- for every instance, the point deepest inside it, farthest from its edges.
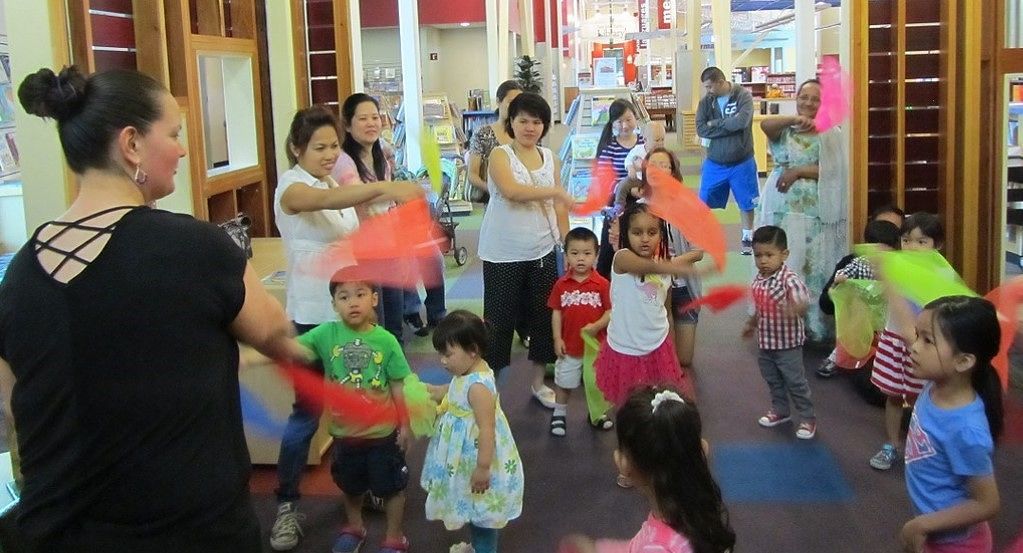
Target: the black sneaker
(414, 320)
(827, 369)
(747, 246)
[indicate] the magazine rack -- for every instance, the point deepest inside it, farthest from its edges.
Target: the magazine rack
(586, 118)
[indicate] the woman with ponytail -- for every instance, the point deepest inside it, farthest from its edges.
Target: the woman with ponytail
(955, 424)
(617, 139)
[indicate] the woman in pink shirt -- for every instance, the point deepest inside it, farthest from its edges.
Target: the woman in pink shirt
(661, 451)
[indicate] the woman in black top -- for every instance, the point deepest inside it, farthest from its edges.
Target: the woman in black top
(118, 340)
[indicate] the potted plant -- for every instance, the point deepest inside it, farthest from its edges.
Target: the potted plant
(527, 75)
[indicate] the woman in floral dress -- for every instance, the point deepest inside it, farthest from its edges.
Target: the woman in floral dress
(807, 195)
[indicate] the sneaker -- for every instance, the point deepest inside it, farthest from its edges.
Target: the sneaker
(747, 246)
(807, 430)
(350, 541)
(827, 369)
(461, 548)
(884, 459)
(415, 320)
(286, 530)
(394, 546)
(772, 419)
(544, 395)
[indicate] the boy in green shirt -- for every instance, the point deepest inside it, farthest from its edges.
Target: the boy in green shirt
(360, 355)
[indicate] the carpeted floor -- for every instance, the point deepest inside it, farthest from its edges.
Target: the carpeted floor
(784, 495)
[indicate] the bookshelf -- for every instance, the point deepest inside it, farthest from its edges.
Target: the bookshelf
(785, 81)
(322, 50)
(382, 78)
(476, 119)
(182, 44)
(586, 118)
(10, 168)
(661, 105)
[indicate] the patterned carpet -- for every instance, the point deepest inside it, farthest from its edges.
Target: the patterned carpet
(784, 495)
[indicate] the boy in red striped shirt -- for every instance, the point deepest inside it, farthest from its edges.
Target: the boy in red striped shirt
(780, 300)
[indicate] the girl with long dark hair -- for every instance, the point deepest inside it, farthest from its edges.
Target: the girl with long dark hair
(661, 449)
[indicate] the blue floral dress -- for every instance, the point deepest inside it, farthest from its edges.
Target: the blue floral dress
(451, 459)
(814, 246)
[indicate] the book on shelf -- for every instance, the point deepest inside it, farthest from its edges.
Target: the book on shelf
(435, 108)
(573, 110)
(584, 147)
(599, 106)
(579, 184)
(8, 157)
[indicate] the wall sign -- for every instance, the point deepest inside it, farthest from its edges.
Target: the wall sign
(644, 20)
(665, 13)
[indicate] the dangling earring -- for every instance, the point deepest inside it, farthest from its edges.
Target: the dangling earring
(140, 177)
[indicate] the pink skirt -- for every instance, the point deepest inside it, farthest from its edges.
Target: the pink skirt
(618, 374)
(978, 541)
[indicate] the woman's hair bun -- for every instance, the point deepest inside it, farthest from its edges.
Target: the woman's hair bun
(57, 96)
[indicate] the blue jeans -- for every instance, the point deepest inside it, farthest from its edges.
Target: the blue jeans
(391, 311)
(431, 269)
(298, 434)
(484, 540)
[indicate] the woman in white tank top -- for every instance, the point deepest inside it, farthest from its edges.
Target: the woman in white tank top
(527, 218)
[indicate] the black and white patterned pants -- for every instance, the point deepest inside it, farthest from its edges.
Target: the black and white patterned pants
(505, 287)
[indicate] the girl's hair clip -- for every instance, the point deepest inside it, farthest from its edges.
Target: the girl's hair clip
(662, 396)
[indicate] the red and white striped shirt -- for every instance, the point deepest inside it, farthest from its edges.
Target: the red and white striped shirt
(776, 299)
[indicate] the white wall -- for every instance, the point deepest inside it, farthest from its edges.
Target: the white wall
(283, 91)
(460, 63)
(463, 62)
(830, 39)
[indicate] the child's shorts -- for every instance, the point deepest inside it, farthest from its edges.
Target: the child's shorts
(892, 373)
(568, 372)
(376, 465)
(680, 296)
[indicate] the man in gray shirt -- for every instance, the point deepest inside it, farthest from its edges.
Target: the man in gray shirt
(725, 119)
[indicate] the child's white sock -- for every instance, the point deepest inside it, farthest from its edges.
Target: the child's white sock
(560, 409)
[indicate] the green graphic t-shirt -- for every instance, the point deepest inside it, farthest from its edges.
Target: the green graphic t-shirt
(366, 361)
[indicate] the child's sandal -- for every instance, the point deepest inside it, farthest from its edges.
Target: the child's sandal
(558, 425)
(603, 423)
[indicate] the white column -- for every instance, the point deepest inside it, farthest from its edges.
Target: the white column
(528, 29)
(694, 28)
(411, 81)
(355, 36)
(493, 37)
(806, 40)
(504, 38)
(721, 15)
(557, 56)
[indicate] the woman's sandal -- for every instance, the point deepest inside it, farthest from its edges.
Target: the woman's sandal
(603, 423)
(623, 481)
(558, 425)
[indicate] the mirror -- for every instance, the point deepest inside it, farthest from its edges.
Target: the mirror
(228, 112)
(214, 111)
